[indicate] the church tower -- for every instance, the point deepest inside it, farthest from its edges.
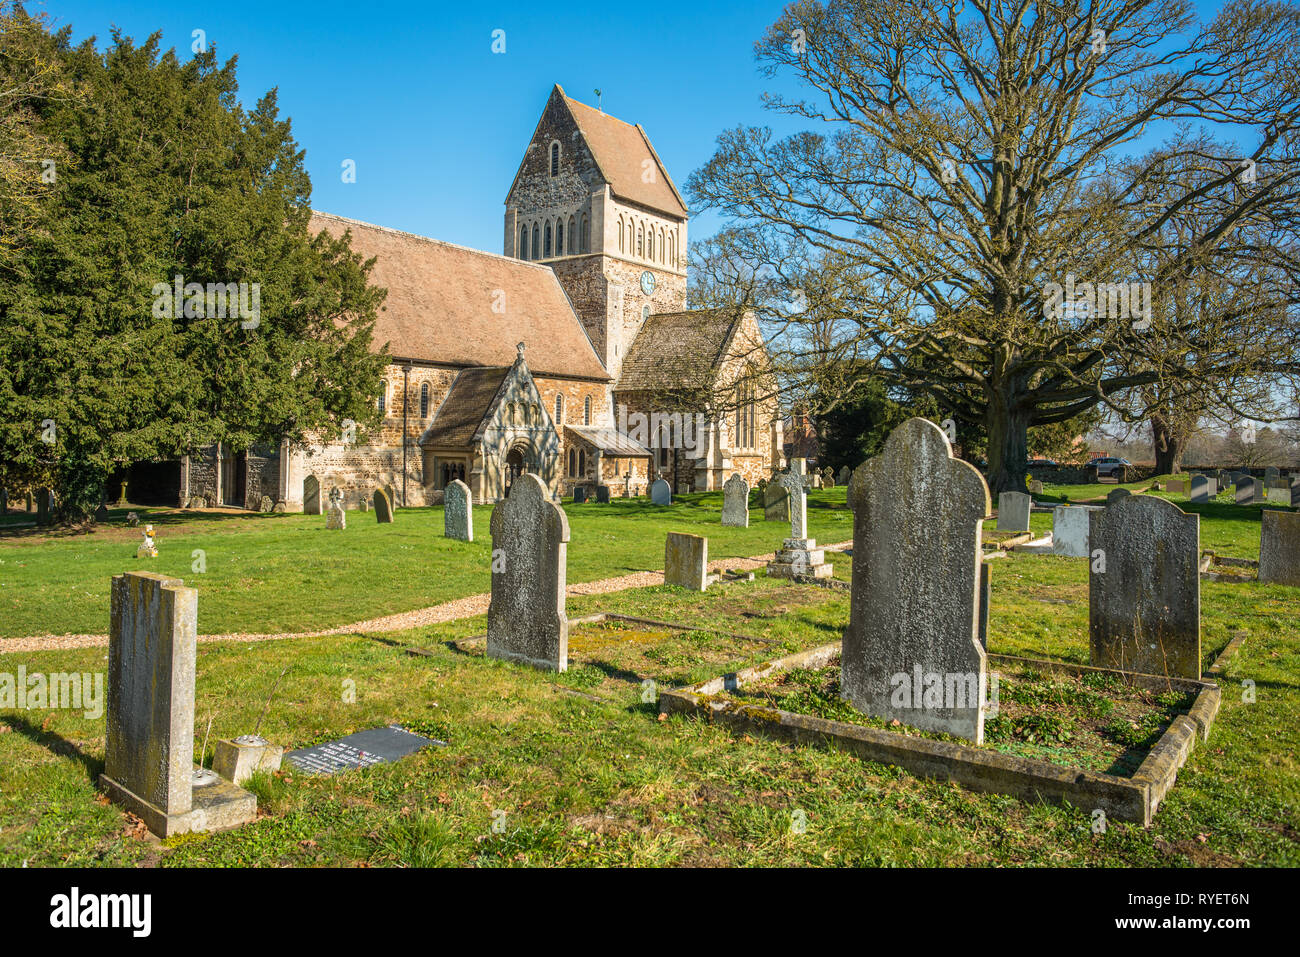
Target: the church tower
(593, 201)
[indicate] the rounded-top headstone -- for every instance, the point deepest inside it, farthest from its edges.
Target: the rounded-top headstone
(661, 493)
(735, 502)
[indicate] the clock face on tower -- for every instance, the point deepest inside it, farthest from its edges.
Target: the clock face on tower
(647, 283)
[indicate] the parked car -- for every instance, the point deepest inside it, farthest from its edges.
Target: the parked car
(1041, 463)
(1107, 465)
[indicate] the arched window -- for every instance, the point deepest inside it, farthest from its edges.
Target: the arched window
(424, 400)
(546, 242)
(640, 241)
(650, 251)
(573, 462)
(555, 159)
(586, 234)
(573, 236)
(559, 239)
(522, 251)
(620, 234)
(746, 411)
(582, 462)
(537, 246)
(663, 247)
(672, 249)
(559, 409)
(383, 399)
(586, 411)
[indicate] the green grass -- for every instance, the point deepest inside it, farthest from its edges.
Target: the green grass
(283, 573)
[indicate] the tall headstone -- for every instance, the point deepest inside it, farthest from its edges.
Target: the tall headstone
(735, 502)
(776, 502)
(337, 518)
(526, 619)
(661, 493)
(580, 495)
(1070, 525)
(799, 556)
(1013, 512)
(1279, 547)
(1144, 588)
(1247, 491)
(1201, 489)
(458, 511)
(149, 718)
(311, 502)
(602, 494)
(686, 561)
(383, 507)
(912, 651)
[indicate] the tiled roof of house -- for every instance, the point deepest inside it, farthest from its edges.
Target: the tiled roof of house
(621, 150)
(471, 397)
(610, 441)
(678, 350)
(441, 298)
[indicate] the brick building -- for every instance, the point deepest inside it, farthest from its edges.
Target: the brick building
(572, 355)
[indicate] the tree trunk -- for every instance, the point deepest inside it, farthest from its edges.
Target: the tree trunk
(1168, 444)
(1008, 429)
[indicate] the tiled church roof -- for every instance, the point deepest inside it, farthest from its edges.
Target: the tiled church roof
(621, 150)
(440, 304)
(471, 397)
(678, 350)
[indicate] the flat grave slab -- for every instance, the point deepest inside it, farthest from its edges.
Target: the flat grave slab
(360, 750)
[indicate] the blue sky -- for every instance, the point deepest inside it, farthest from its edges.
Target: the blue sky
(435, 121)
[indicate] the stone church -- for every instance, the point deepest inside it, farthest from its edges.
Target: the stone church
(571, 355)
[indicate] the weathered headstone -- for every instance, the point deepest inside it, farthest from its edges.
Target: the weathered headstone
(149, 747)
(1117, 495)
(337, 517)
(602, 494)
(735, 502)
(383, 507)
(1279, 547)
(1247, 491)
(799, 556)
(311, 502)
(580, 495)
(1270, 474)
(1176, 487)
(458, 511)
(1201, 489)
(686, 561)
(526, 619)
(912, 651)
(776, 502)
(1070, 530)
(1013, 512)
(845, 474)
(1145, 588)
(661, 493)
(828, 478)
(1035, 487)
(360, 750)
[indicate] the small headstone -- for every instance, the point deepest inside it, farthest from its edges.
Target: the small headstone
(580, 495)
(661, 493)
(1279, 547)
(828, 477)
(1270, 474)
(132, 519)
(383, 507)
(198, 501)
(1201, 489)
(1013, 511)
(360, 750)
(912, 651)
(845, 474)
(602, 494)
(392, 494)
(526, 619)
(458, 512)
(686, 561)
(1035, 487)
(1247, 491)
(1070, 526)
(266, 504)
(337, 518)
(735, 502)
(1145, 588)
(43, 499)
(1176, 487)
(1117, 495)
(148, 548)
(776, 502)
(365, 505)
(311, 501)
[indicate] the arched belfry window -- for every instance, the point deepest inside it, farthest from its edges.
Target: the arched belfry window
(559, 409)
(650, 252)
(522, 251)
(573, 236)
(620, 234)
(586, 411)
(424, 400)
(537, 246)
(555, 159)
(546, 242)
(640, 241)
(559, 239)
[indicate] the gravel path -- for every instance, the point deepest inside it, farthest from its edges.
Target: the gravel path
(466, 607)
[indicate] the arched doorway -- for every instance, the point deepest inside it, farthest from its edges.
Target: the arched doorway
(515, 466)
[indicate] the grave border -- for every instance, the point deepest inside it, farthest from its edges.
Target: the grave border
(1135, 798)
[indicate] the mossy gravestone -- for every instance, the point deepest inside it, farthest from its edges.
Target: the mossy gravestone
(686, 561)
(1013, 512)
(383, 507)
(526, 619)
(311, 503)
(776, 502)
(1279, 547)
(735, 502)
(458, 513)
(912, 650)
(1144, 588)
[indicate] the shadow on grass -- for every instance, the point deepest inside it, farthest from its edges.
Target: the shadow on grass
(54, 743)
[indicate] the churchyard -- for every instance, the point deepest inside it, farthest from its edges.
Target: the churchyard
(602, 761)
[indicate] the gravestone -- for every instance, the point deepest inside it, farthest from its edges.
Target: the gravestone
(776, 502)
(686, 561)
(844, 476)
(1070, 530)
(661, 493)
(602, 494)
(799, 556)
(360, 750)
(1247, 491)
(735, 502)
(149, 716)
(526, 619)
(912, 651)
(1279, 547)
(1117, 495)
(828, 478)
(458, 511)
(1202, 488)
(580, 495)
(392, 495)
(1035, 487)
(43, 499)
(1013, 512)
(1144, 588)
(311, 503)
(337, 518)
(1270, 474)
(1176, 487)
(383, 507)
